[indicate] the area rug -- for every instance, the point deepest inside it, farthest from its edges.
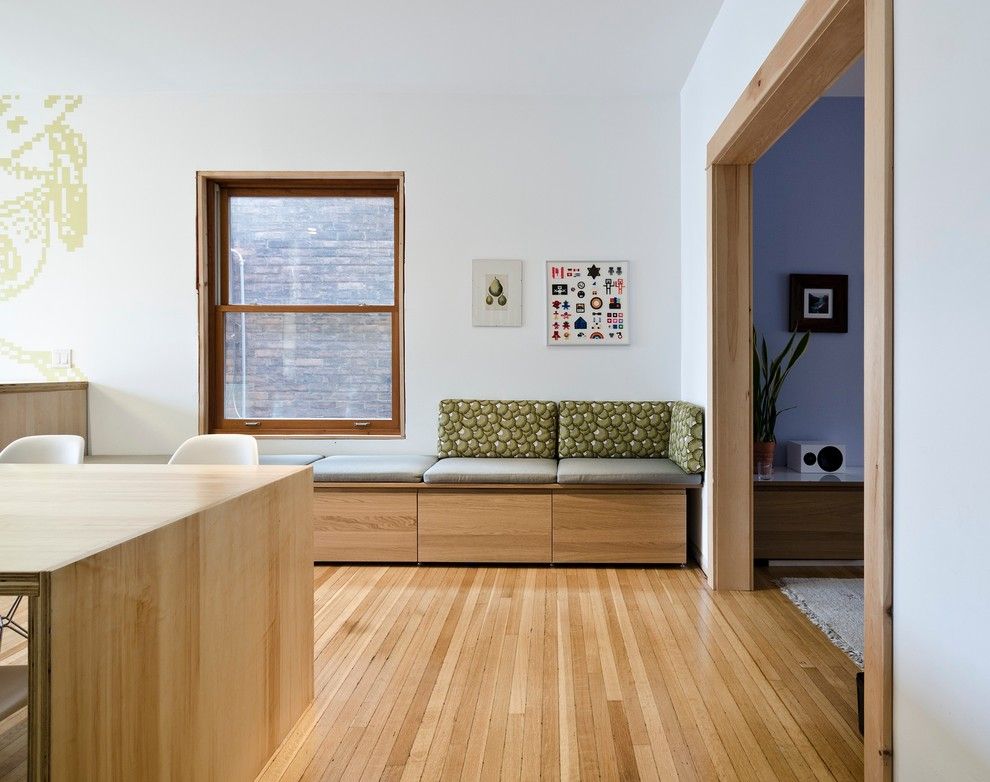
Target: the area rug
(834, 606)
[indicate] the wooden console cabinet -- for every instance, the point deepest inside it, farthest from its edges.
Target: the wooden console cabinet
(797, 516)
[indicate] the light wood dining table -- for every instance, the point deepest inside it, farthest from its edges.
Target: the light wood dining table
(170, 615)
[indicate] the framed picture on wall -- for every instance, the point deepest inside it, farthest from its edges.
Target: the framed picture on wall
(496, 293)
(820, 302)
(587, 303)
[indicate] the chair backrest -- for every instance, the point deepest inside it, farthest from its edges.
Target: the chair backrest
(217, 449)
(45, 449)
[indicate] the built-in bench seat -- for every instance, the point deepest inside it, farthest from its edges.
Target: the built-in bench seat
(498, 493)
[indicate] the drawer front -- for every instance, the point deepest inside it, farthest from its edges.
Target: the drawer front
(808, 524)
(611, 527)
(484, 526)
(355, 525)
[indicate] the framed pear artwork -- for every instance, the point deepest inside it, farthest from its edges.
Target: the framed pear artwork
(496, 293)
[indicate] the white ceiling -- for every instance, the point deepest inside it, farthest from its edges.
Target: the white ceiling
(462, 46)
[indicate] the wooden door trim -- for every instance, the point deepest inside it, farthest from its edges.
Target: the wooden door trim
(730, 368)
(823, 40)
(878, 259)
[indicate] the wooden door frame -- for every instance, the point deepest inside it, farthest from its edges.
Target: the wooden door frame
(825, 37)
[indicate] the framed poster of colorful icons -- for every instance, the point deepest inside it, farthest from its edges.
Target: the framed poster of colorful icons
(587, 303)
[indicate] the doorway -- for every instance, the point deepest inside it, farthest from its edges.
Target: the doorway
(825, 37)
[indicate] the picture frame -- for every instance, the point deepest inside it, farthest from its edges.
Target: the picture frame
(587, 303)
(496, 293)
(819, 303)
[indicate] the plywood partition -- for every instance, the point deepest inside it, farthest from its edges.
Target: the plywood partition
(171, 615)
(188, 649)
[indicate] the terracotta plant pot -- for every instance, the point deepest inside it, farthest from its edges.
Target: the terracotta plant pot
(763, 458)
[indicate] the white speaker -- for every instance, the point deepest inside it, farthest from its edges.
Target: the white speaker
(816, 457)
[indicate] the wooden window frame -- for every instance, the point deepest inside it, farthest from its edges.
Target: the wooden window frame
(213, 190)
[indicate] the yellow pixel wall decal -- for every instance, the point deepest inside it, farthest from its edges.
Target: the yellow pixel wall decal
(42, 200)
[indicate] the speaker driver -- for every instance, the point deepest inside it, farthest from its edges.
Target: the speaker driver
(829, 458)
(810, 459)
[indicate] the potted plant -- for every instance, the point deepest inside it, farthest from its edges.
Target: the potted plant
(768, 379)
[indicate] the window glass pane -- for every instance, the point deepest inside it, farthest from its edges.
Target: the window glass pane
(307, 365)
(302, 250)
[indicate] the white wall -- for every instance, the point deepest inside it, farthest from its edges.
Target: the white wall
(740, 39)
(531, 178)
(941, 381)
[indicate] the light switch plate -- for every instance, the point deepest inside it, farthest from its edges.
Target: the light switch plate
(62, 358)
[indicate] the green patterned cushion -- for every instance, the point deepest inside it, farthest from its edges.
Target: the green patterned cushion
(624, 430)
(687, 437)
(497, 428)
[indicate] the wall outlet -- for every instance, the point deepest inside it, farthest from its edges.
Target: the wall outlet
(62, 358)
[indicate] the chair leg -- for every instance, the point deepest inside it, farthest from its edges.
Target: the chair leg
(7, 620)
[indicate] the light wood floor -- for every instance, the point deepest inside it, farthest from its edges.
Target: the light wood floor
(439, 673)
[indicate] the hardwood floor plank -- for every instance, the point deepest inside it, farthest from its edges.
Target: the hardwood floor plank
(429, 673)
(756, 700)
(656, 733)
(707, 752)
(431, 721)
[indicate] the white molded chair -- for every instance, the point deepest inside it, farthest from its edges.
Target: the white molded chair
(217, 449)
(45, 449)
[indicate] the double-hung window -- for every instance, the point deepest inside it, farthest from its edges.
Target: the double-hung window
(301, 303)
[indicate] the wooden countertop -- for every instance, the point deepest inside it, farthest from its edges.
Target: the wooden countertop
(54, 515)
(34, 387)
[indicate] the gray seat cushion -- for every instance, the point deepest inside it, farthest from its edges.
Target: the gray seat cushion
(376, 469)
(624, 471)
(290, 459)
(481, 470)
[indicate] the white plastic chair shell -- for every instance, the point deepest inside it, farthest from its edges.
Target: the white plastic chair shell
(45, 449)
(217, 449)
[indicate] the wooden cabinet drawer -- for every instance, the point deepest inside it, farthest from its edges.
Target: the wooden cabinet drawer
(484, 526)
(612, 527)
(354, 525)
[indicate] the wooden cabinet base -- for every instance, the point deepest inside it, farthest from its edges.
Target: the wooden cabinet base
(500, 523)
(355, 525)
(808, 522)
(484, 526)
(614, 527)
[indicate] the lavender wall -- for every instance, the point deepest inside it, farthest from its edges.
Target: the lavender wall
(808, 219)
